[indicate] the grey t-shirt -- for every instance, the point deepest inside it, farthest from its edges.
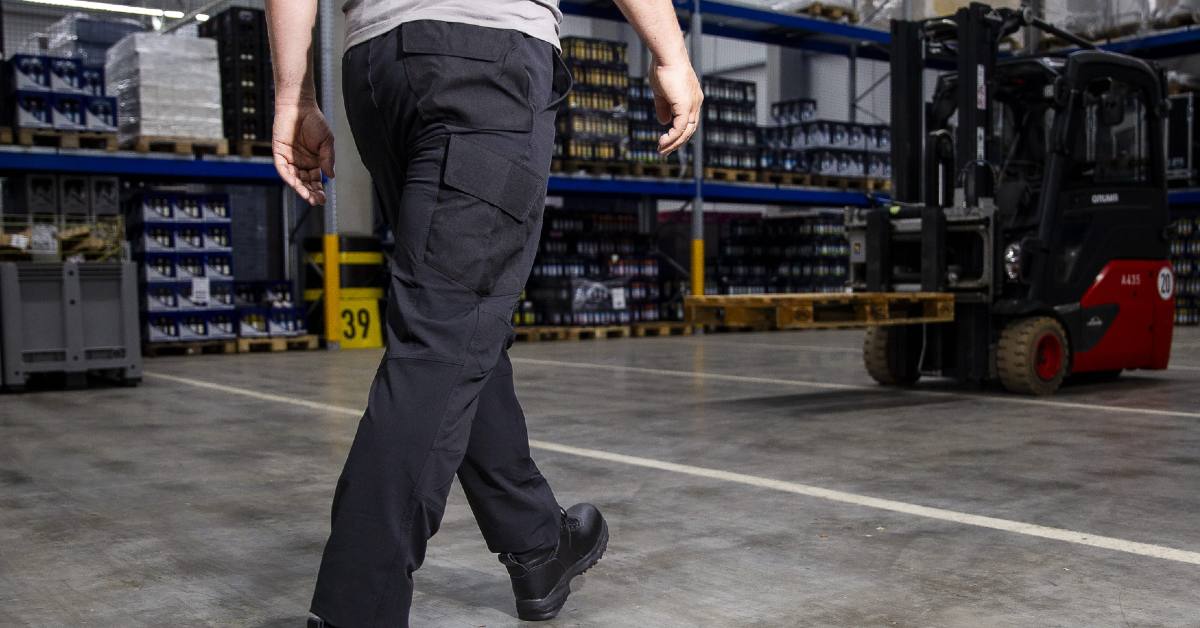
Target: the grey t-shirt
(369, 18)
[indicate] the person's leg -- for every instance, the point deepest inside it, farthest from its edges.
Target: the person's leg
(445, 121)
(512, 502)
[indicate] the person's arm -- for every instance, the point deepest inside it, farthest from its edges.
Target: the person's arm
(677, 94)
(300, 138)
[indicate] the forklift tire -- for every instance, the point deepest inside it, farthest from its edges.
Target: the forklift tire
(892, 354)
(1033, 356)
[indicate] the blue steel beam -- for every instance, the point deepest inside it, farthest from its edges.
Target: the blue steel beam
(134, 164)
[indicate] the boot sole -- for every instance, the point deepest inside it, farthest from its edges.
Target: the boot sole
(549, 606)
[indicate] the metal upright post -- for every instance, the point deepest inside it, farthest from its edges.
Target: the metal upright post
(697, 30)
(852, 59)
(332, 283)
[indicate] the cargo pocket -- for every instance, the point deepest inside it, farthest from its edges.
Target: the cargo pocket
(482, 220)
(467, 76)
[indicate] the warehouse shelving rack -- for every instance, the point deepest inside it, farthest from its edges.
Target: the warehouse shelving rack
(713, 17)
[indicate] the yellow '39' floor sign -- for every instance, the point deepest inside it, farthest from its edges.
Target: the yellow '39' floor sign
(360, 324)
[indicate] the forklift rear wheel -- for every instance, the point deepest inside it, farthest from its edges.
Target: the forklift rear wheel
(892, 354)
(1033, 356)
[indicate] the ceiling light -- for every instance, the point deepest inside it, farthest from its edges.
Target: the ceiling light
(108, 6)
(201, 17)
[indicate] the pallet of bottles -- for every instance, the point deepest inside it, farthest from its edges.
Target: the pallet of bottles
(782, 254)
(1184, 246)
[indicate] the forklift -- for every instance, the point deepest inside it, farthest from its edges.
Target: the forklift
(1032, 188)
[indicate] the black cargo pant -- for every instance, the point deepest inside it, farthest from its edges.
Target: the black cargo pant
(456, 125)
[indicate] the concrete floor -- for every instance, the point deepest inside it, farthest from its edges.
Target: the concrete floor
(173, 504)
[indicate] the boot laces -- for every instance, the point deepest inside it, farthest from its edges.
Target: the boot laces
(572, 522)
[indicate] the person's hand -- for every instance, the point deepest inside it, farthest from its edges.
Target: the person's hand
(303, 148)
(677, 98)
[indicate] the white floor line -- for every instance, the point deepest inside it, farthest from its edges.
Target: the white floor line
(1011, 399)
(784, 346)
(940, 514)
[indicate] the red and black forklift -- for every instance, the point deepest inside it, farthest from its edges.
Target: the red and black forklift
(1031, 187)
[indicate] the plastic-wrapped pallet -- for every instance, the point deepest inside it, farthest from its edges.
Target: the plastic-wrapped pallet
(166, 86)
(877, 13)
(1172, 13)
(1096, 20)
(81, 36)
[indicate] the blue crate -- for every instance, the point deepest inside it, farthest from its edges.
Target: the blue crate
(69, 112)
(151, 207)
(286, 321)
(91, 81)
(29, 73)
(219, 266)
(190, 265)
(153, 238)
(215, 208)
(188, 208)
(222, 325)
(65, 75)
(189, 238)
(33, 110)
(159, 297)
(157, 268)
(218, 238)
(161, 327)
(253, 321)
(100, 114)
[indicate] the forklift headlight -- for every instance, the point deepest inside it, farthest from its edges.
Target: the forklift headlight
(1012, 261)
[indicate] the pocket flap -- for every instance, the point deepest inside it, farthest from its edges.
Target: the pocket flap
(492, 178)
(456, 40)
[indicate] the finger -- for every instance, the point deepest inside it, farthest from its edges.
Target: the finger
(662, 109)
(680, 132)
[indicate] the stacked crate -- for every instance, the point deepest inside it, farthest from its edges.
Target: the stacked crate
(267, 309)
(780, 160)
(48, 217)
(731, 140)
(1185, 257)
(58, 101)
(593, 126)
(247, 86)
(644, 131)
(782, 255)
(593, 268)
(182, 244)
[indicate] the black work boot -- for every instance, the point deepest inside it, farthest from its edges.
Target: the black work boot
(543, 584)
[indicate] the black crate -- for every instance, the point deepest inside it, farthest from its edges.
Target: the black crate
(583, 123)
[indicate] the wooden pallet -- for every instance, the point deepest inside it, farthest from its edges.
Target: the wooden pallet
(158, 349)
(600, 168)
(307, 342)
(830, 12)
(820, 310)
(64, 139)
(663, 328)
(1179, 20)
(733, 175)
(178, 145)
(6, 135)
(254, 148)
(785, 178)
(660, 170)
(596, 332)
